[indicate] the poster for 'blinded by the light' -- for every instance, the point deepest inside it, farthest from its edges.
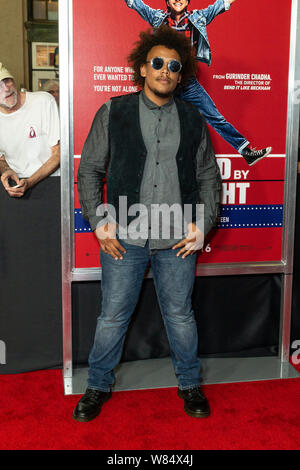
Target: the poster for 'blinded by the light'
(248, 82)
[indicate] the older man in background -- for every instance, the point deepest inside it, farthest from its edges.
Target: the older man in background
(30, 300)
(29, 136)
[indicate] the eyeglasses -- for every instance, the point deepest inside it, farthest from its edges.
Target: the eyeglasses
(157, 63)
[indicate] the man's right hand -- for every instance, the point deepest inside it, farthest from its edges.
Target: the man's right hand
(106, 236)
(5, 177)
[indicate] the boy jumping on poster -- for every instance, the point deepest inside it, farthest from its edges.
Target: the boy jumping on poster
(193, 24)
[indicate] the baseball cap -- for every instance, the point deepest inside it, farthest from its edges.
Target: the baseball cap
(4, 73)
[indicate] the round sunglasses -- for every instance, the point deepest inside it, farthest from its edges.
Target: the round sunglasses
(157, 63)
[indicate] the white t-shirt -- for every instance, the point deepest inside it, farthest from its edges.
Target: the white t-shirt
(27, 135)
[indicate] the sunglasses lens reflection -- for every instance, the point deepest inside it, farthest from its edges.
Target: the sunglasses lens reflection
(174, 66)
(158, 63)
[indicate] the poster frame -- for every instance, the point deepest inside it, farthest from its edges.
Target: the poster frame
(71, 274)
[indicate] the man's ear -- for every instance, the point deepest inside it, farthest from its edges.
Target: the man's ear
(143, 70)
(179, 78)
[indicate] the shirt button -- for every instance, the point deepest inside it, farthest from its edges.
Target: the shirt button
(158, 141)
(155, 185)
(157, 163)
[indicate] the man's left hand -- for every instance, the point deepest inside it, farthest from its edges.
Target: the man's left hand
(193, 242)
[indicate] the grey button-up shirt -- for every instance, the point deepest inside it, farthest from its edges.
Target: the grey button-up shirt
(160, 128)
(160, 183)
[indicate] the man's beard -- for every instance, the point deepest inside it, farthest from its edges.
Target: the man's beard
(160, 94)
(163, 95)
(14, 97)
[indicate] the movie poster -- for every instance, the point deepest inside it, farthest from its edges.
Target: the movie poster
(247, 79)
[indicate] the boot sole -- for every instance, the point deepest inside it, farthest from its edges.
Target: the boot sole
(194, 414)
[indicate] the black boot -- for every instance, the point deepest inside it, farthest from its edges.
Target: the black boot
(195, 403)
(89, 406)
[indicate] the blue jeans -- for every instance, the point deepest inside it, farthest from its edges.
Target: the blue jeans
(195, 94)
(121, 284)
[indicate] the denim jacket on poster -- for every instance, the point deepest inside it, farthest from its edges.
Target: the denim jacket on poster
(199, 19)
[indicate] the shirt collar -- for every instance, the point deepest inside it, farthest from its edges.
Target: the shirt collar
(184, 15)
(152, 105)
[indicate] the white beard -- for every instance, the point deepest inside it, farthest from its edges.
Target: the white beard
(13, 103)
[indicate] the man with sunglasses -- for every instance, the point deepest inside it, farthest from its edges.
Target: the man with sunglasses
(154, 149)
(193, 24)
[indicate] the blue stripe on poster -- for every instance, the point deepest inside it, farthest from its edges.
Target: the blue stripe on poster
(81, 225)
(257, 216)
(244, 216)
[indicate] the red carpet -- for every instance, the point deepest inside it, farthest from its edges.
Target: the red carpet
(256, 415)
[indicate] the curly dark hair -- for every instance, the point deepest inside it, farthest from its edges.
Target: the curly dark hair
(169, 38)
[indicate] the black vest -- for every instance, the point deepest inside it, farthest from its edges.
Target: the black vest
(128, 152)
